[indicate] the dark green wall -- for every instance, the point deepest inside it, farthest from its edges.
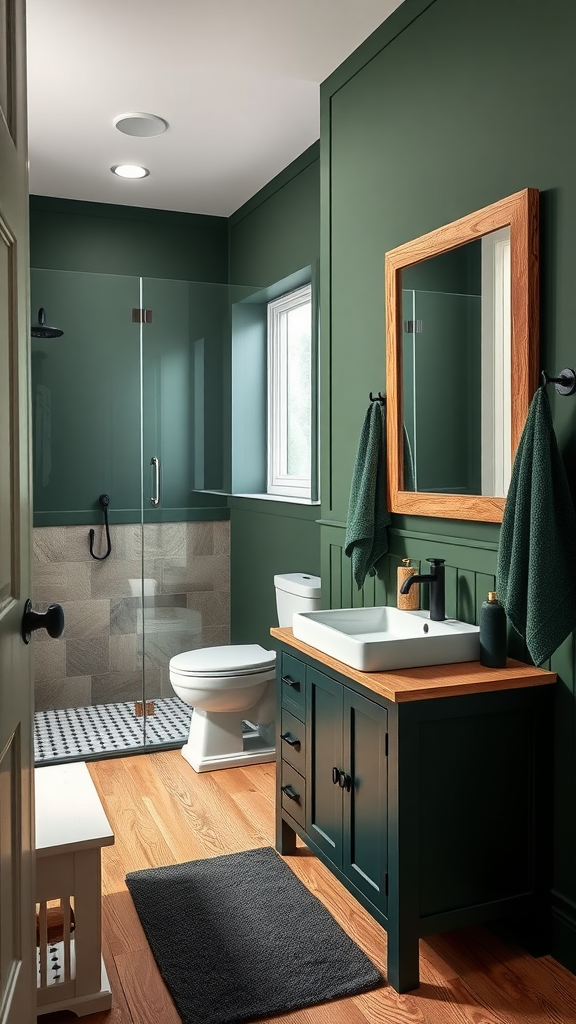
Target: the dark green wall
(274, 235)
(447, 107)
(99, 238)
(87, 261)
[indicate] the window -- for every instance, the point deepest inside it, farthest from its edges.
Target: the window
(290, 375)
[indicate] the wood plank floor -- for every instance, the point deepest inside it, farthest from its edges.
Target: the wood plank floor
(162, 812)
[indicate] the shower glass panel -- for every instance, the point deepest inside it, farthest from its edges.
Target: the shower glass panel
(185, 420)
(135, 406)
(86, 443)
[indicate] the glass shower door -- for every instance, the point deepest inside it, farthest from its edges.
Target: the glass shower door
(87, 443)
(185, 524)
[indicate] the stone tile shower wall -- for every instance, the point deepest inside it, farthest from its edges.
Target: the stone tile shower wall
(99, 658)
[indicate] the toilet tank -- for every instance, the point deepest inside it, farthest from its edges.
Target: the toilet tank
(296, 592)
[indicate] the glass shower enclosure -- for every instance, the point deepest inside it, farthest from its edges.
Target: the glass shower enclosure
(131, 404)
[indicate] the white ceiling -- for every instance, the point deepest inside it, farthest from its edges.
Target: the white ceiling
(237, 81)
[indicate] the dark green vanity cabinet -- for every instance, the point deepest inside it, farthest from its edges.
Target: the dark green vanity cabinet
(346, 771)
(433, 811)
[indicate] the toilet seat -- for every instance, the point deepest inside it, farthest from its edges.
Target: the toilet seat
(232, 660)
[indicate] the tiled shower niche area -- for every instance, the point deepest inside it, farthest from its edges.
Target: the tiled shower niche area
(165, 588)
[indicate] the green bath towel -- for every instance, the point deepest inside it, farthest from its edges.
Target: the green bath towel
(368, 516)
(536, 575)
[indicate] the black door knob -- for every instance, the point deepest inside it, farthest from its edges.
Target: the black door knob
(52, 620)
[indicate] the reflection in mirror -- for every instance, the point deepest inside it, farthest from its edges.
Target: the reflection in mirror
(461, 359)
(456, 369)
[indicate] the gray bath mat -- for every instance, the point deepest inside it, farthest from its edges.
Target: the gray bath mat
(240, 937)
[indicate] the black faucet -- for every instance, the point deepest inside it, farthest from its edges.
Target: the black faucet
(436, 580)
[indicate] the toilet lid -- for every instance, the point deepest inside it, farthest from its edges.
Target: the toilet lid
(236, 659)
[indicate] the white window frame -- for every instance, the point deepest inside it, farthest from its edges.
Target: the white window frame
(279, 481)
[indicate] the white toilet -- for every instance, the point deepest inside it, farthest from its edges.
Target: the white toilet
(227, 686)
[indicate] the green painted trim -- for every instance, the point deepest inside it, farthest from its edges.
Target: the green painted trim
(325, 284)
(166, 515)
(464, 542)
(295, 167)
(396, 23)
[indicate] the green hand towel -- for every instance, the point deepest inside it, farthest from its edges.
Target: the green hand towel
(366, 537)
(536, 574)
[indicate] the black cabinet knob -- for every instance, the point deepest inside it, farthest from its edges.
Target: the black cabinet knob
(345, 781)
(52, 620)
(335, 776)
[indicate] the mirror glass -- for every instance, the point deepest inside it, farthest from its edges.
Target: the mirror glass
(461, 359)
(456, 369)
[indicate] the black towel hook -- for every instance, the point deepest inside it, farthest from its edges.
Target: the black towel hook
(377, 398)
(104, 502)
(565, 384)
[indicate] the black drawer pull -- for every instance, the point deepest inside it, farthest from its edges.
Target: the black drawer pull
(335, 776)
(292, 793)
(291, 682)
(290, 739)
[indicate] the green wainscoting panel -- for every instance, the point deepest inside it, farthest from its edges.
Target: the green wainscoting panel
(267, 538)
(466, 586)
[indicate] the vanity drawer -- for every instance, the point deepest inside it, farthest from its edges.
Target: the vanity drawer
(293, 792)
(293, 739)
(293, 675)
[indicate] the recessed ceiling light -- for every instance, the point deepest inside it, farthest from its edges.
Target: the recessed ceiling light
(130, 171)
(143, 126)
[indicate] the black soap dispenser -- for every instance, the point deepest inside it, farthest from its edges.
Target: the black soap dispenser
(492, 632)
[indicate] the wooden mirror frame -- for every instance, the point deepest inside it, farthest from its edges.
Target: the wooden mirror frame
(520, 213)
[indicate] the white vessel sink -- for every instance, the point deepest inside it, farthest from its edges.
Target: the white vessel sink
(381, 639)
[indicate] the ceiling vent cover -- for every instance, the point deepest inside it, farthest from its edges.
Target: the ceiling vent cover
(143, 126)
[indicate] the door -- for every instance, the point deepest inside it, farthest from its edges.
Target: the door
(365, 846)
(17, 981)
(324, 746)
(183, 333)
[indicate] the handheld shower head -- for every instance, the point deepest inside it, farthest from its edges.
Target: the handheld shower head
(41, 329)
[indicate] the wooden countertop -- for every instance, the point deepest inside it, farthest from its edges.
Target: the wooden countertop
(432, 681)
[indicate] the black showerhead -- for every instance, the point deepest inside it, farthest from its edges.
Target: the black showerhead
(41, 329)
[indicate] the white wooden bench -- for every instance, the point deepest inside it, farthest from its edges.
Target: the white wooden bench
(71, 829)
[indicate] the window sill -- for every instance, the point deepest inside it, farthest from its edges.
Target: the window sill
(278, 497)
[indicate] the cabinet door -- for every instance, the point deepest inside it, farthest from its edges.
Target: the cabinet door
(365, 846)
(324, 754)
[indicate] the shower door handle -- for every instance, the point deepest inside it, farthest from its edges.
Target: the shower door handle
(155, 463)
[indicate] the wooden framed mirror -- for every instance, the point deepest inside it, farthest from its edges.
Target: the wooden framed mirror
(461, 359)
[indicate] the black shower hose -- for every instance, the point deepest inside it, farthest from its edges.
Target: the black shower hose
(104, 502)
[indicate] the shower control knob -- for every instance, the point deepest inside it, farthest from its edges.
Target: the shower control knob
(52, 620)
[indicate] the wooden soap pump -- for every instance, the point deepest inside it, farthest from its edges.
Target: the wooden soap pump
(409, 602)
